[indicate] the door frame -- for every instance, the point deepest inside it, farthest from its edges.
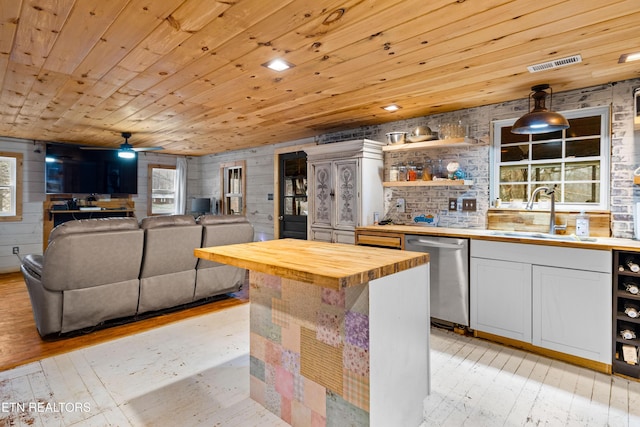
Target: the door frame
(276, 181)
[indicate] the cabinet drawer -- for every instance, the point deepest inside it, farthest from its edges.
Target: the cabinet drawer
(387, 241)
(553, 256)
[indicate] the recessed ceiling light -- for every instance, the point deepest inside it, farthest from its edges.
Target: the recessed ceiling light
(278, 65)
(392, 107)
(628, 57)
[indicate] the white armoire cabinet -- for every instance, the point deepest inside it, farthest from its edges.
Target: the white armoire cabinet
(345, 188)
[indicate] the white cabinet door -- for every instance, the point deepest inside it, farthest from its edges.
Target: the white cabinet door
(500, 295)
(347, 237)
(572, 312)
(321, 234)
(346, 194)
(323, 194)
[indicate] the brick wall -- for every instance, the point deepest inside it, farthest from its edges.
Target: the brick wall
(625, 158)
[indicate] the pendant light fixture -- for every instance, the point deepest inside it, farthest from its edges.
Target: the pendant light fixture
(540, 120)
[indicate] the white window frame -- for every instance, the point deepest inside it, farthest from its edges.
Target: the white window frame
(604, 158)
(233, 188)
(15, 187)
(150, 169)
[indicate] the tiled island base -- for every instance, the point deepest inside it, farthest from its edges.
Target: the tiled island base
(357, 356)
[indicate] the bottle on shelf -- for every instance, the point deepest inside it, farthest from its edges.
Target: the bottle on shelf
(632, 265)
(438, 170)
(394, 173)
(631, 287)
(402, 173)
(631, 310)
(628, 334)
(427, 171)
(412, 173)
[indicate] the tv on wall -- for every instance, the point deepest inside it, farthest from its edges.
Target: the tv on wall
(72, 170)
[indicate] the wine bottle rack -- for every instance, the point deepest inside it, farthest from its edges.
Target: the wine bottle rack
(626, 313)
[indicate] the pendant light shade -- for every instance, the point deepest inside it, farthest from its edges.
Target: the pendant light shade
(539, 120)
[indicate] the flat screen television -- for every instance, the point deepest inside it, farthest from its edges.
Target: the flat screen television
(71, 170)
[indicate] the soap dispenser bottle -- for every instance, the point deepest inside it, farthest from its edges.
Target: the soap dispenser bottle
(582, 225)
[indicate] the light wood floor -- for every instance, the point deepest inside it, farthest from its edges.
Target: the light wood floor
(195, 372)
(20, 342)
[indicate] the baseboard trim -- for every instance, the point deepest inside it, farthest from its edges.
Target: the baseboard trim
(574, 360)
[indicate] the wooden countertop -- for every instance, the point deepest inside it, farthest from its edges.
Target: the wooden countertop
(602, 243)
(331, 265)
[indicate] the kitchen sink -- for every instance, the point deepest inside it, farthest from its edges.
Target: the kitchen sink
(545, 236)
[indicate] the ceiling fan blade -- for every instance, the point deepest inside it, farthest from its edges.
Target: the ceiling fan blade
(99, 148)
(147, 148)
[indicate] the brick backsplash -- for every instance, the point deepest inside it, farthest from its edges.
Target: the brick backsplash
(625, 157)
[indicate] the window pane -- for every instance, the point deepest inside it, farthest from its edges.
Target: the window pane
(582, 171)
(506, 137)
(588, 192)
(6, 175)
(548, 150)
(583, 148)
(584, 126)
(289, 205)
(5, 201)
(546, 172)
(546, 136)
(235, 205)
(513, 173)
(163, 191)
(510, 192)
(543, 199)
(514, 153)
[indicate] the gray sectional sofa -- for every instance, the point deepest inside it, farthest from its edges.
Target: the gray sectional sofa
(96, 270)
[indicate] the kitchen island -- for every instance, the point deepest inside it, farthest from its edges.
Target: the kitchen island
(339, 333)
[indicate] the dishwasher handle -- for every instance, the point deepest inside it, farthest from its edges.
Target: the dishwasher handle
(434, 244)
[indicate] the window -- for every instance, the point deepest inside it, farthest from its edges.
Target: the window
(161, 189)
(10, 186)
(233, 188)
(576, 159)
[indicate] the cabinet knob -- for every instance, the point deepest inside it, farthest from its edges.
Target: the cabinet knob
(280, 217)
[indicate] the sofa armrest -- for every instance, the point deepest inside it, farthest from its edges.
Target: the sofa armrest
(34, 263)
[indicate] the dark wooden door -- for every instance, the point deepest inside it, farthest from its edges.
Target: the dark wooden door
(293, 195)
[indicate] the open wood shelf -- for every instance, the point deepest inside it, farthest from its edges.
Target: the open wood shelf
(435, 183)
(436, 143)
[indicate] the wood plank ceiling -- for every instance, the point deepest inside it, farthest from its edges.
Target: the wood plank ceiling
(187, 75)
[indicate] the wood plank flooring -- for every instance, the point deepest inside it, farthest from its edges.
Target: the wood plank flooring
(20, 342)
(195, 372)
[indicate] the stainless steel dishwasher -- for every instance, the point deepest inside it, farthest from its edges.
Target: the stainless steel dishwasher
(449, 275)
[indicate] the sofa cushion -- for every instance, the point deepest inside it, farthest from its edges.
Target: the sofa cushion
(159, 221)
(82, 260)
(93, 225)
(221, 219)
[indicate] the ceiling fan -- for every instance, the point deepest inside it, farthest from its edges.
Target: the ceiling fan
(126, 150)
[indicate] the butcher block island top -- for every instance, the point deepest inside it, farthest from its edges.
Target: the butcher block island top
(330, 265)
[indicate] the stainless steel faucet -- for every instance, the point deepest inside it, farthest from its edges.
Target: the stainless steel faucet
(552, 217)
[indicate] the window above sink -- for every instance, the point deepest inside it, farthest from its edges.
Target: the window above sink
(576, 159)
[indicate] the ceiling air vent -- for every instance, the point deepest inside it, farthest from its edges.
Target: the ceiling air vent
(556, 63)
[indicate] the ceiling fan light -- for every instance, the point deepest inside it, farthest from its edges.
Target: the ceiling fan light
(126, 154)
(539, 120)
